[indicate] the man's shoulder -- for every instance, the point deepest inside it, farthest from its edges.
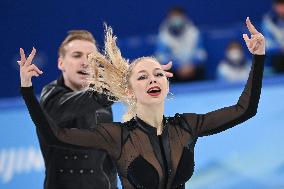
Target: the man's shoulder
(50, 85)
(50, 90)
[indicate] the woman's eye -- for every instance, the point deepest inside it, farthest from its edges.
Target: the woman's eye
(142, 77)
(159, 74)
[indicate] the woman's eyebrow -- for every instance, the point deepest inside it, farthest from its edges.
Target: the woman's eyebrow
(141, 71)
(157, 69)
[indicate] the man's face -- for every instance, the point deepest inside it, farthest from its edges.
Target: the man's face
(74, 63)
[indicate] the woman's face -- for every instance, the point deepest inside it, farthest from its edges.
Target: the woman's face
(149, 85)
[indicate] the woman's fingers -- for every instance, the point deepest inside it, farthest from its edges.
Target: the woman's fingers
(245, 37)
(247, 40)
(251, 27)
(30, 58)
(255, 44)
(259, 37)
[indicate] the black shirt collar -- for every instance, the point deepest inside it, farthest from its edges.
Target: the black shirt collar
(148, 128)
(60, 82)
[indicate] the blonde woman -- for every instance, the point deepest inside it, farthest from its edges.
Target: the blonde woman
(149, 149)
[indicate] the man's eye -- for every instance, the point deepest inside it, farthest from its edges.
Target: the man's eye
(77, 56)
(142, 77)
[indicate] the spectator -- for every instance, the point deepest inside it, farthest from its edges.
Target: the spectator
(179, 40)
(273, 30)
(234, 66)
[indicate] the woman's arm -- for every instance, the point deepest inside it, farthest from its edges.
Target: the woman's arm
(224, 118)
(106, 137)
(246, 107)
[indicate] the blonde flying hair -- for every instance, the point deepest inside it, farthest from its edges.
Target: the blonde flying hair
(110, 74)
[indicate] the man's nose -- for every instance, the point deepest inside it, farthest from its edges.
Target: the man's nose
(85, 62)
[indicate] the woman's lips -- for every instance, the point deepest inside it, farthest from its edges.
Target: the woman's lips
(154, 91)
(154, 94)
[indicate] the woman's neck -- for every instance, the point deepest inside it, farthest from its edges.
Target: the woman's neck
(152, 115)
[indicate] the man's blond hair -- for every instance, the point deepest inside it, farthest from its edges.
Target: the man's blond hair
(83, 35)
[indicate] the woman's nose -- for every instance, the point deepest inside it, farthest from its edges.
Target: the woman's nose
(153, 81)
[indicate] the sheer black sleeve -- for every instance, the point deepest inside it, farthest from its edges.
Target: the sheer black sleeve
(105, 136)
(227, 117)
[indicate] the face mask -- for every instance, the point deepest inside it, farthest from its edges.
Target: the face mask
(176, 25)
(235, 55)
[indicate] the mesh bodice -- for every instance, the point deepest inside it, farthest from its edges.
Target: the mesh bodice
(143, 159)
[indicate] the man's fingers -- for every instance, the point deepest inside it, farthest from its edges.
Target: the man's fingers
(20, 63)
(22, 54)
(31, 57)
(34, 73)
(251, 27)
(167, 66)
(36, 69)
(169, 74)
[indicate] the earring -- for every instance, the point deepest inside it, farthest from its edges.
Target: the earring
(170, 96)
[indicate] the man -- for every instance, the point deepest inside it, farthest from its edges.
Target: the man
(68, 103)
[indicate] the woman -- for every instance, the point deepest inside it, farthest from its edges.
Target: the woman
(150, 150)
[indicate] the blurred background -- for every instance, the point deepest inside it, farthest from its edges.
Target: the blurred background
(211, 63)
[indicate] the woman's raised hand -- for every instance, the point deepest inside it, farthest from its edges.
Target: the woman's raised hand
(27, 69)
(256, 43)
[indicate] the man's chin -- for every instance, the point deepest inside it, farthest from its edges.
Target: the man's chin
(79, 86)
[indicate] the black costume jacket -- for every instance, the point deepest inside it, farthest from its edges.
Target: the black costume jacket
(75, 168)
(143, 159)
